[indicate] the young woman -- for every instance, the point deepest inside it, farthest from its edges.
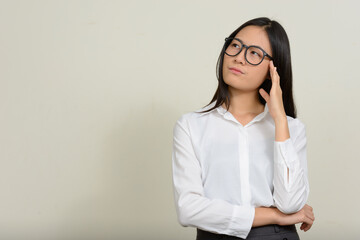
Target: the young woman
(239, 164)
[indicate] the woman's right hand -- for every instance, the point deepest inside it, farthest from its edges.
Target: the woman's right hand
(304, 216)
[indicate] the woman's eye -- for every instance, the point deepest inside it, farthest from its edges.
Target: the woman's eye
(235, 45)
(255, 53)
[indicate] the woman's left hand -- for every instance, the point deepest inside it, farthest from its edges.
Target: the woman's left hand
(274, 101)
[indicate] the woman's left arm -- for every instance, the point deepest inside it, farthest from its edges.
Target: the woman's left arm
(291, 186)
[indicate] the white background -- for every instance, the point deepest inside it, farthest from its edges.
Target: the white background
(90, 92)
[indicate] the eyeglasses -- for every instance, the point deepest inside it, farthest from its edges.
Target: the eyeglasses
(233, 47)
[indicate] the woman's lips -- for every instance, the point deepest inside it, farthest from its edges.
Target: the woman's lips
(235, 70)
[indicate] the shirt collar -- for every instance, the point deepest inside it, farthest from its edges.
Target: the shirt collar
(223, 111)
(206, 108)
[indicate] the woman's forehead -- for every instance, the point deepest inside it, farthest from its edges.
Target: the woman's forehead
(254, 35)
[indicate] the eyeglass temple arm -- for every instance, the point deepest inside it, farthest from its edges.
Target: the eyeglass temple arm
(267, 55)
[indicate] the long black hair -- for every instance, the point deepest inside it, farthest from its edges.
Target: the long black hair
(280, 47)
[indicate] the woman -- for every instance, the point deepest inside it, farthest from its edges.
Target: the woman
(239, 164)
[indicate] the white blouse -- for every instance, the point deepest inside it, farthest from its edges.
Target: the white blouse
(223, 170)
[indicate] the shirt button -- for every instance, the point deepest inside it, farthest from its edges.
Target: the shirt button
(285, 239)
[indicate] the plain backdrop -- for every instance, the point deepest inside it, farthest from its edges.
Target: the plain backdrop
(90, 92)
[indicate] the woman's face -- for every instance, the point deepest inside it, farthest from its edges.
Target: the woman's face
(252, 76)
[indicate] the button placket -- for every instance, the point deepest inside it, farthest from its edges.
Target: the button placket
(248, 200)
(244, 166)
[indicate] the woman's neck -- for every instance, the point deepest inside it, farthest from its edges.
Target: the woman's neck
(244, 103)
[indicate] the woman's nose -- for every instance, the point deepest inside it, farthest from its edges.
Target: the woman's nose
(241, 56)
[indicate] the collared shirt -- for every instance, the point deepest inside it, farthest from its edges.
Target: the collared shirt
(222, 170)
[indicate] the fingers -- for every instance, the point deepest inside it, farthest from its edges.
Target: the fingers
(309, 218)
(310, 213)
(306, 225)
(275, 78)
(303, 225)
(264, 94)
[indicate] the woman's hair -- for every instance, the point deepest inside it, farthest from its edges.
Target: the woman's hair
(280, 47)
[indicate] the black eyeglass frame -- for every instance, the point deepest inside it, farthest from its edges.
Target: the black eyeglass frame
(246, 48)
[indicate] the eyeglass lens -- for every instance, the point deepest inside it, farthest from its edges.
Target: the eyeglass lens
(254, 55)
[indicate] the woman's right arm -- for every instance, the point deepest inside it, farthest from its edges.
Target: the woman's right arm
(193, 207)
(270, 215)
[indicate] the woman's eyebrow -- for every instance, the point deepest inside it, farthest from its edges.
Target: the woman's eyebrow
(248, 44)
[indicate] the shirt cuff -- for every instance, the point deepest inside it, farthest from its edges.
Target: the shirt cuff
(242, 220)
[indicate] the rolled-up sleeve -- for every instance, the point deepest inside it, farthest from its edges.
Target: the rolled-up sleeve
(291, 192)
(193, 208)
